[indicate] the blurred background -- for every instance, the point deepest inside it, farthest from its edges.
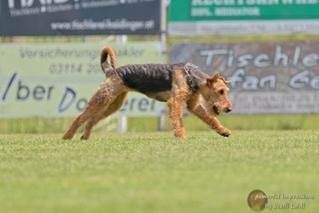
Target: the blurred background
(49, 59)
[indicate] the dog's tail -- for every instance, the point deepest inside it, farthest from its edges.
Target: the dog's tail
(105, 52)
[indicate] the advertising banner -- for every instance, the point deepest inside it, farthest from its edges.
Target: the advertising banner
(57, 79)
(80, 17)
(243, 17)
(266, 77)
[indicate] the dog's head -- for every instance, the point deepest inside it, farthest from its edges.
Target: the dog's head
(215, 93)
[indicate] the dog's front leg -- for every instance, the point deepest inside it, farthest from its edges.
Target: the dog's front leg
(175, 110)
(211, 120)
(195, 107)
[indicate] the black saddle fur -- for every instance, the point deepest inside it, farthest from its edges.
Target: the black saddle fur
(154, 78)
(147, 78)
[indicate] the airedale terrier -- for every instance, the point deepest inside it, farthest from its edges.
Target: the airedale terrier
(176, 84)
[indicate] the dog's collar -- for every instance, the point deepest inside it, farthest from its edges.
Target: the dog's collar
(191, 82)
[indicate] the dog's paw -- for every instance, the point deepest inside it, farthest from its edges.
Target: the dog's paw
(224, 132)
(67, 137)
(181, 136)
(84, 137)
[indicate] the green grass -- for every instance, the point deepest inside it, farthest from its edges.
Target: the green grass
(154, 172)
(234, 122)
(237, 122)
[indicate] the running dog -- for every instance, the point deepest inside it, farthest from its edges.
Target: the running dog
(176, 84)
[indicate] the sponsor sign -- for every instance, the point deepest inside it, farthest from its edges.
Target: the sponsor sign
(80, 17)
(244, 17)
(266, 77)
(54, 80)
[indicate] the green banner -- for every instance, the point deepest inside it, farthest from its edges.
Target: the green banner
(228, 17)
(53, 80)
(199, 10)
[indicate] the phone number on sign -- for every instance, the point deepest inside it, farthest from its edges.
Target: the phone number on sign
(74, 68)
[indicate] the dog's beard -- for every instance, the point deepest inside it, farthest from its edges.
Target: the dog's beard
(213, 108)
(216, 110)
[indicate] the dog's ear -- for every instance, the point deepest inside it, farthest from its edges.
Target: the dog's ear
(210, 81)
(224, 79)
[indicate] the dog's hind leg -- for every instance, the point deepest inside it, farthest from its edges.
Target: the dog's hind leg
(100, 100)
(175, 109)
(94, 106)
(113, 107)
(90, 123)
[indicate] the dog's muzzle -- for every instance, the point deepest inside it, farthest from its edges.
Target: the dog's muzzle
(227, 110)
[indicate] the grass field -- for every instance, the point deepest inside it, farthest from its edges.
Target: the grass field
(154, 172)
(143, 124)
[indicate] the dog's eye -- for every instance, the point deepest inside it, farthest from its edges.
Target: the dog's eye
(221, 92)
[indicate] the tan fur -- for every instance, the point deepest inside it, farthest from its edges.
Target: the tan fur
(99, 106)
(105, 52)
(111, 95)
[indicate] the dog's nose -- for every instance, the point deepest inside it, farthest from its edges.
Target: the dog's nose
(228, 110)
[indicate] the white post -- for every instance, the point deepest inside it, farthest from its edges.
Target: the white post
(161, 121)
(122, 124)
(164, 4)
(121, 39)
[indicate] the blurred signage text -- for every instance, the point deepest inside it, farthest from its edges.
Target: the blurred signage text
(54, 80)
(80, 17)
(266, 77)
(244, 17)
